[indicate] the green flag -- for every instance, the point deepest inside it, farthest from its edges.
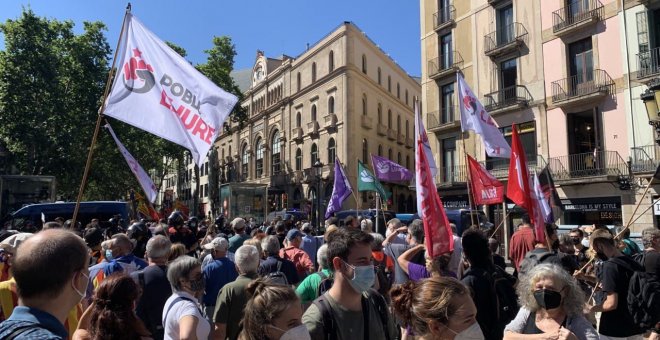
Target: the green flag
(368, 182)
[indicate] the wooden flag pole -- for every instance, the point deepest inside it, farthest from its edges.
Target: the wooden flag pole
(99, 119)
(469, 179)
(501, 223)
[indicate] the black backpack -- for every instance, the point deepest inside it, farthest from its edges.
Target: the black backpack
(370, 297)
(503, 289)
(643, 295)
(324, 285)
(277, 277)
(532, 260)
(384, 278)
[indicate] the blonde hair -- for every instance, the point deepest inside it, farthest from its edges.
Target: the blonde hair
(177, 250)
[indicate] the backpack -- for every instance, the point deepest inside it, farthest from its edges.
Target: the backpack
(277, 277)
(324, 285)
(643, 296)
(384, 279)
(532, 260)
(370, 297)
(503, 289)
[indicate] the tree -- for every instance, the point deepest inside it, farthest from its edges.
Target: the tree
(178, 49)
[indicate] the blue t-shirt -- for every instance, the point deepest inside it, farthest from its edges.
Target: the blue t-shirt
(217, 273)
(36, 323)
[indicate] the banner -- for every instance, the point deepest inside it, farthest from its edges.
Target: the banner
(420, 134)
(145, 208)
(542, 210)
(486, 189)
(518, 187)
(550, 192)
(367, 181)
(143, 178)
(474, 117)
(158, 91)
(438, 236)
(389, 171)
(340, 190)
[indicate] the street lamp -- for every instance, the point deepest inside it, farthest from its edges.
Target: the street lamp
(318, 169)
(651, 99)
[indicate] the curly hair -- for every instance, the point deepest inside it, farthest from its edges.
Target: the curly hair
(267, 301)
(431, 299)
(112, 310)
(573, 297)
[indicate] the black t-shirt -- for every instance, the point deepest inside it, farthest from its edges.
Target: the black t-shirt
(485, 301)
(652, 262)
(498, 260)
(615, 278)
(156, 290)
(269, 266)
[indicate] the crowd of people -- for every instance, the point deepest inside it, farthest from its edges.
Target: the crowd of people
(189, 279)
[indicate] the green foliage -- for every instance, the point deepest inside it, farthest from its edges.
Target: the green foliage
(178, 49)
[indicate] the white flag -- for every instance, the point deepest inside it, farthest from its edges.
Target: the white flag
(145, 181)
(420, 134)
(158, 91)
(474, 117)
(542, 205)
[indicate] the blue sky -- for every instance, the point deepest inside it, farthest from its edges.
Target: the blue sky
(276, 27)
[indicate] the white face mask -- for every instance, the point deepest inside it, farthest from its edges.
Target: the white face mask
(299, 332)
(82, 294)
(473, 332)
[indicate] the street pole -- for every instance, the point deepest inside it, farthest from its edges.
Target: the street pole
(318, 205)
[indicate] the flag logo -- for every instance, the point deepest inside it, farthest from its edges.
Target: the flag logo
(365, 176)
(136, 69)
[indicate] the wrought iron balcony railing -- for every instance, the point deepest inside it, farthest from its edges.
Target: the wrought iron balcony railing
(499, 167)
(592, 83)
(512, 96)
(451, 175)
(644, 158)
(445, 117)
(648, 63)
(505, 39)
(589, 164)
(575, 14)
(444, 65)
(444, 17)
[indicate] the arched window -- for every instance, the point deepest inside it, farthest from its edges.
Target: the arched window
(332, 149)
(407, 136)
(389, 119)
(313, 72)
(275, 153)
(380, 150)
(298, 82)
(408, 162)
(364, 64)
(331, 61)
(331, 104)
(398, 91)
(365, 151)
(389, 84)
(260, 158)
(299, 159)
(379, 76)
(315, 154)
(380, 114)
(398, 157)
(398, 124)
(313, 112)
(298, 119)
(245, 159)
(364, 104)
(389, 154)
(406, 97)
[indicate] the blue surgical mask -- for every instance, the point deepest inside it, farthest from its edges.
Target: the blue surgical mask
(363, 277)
(108, 255)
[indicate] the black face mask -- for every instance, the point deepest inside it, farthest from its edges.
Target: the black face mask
(547, 299)
(576, 240)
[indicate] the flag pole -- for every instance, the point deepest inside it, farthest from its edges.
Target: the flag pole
(99, 119)
(468, 178)
(501, 223)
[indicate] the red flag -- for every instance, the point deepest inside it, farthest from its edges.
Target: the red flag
(486, 189)
(518, 188)
(438, 236)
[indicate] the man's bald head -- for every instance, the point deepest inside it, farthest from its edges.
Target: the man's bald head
(46, 262)
(121, 245)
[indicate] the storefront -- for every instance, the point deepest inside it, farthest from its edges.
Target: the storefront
(592, 210)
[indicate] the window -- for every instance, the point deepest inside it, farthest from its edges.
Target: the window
(364, 104)
(260, 158)
(379, 79)
(206, 189)
(407, 135)
(398, 124)
(398, 91)
(389, 84)
(389, 154)
(581, 61)
(380, 150)
(389, 119)
(446, 56)
(365, 151)
(313, 112)
(331, 104)
(406, 97)
(398, 158)
(275, 153)
(299, 159)
(449, 160)
(508, 80)
(408, 162)
(331, 151)
(298, 119)
(364, 64)
(331, 61)
(313, 72)
(206, 168)
(315, 154)
(380, 114)
(298, 82)
(447, 105)
(505, 32)
(245, 159)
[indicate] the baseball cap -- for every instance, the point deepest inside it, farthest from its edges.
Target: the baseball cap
(12, 242)
(292, 234)
(307, 227)
(238, 223)
(217, 243)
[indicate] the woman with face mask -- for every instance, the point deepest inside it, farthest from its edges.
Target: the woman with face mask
(551, 307)
(437, 308)
(273, 312)
(182, 315)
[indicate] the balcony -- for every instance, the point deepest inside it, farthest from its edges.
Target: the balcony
(581, 89)
(391, 134)
(297, 177)
(309, 176)
(648, 64)
(576, 16)
(499, 167)
(365, 122)
(409, 143)
(381, 129)
(507, 99)
(644, 159)
(328, 171)
(330, 122)
(445, 65)
(444, 18)
(313, 128)
(297, 134)
(495, 2)
(442, 120)
(279, 180)
(505, 40)
(400, 139)
(590, 166)
(451, 176)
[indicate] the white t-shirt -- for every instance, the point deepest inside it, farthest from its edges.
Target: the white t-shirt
(180, 309)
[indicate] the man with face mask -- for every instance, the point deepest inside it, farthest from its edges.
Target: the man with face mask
(350, 309)
(47, 286)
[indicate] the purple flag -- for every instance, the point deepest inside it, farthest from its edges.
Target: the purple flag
(389, 171)
(340, 190)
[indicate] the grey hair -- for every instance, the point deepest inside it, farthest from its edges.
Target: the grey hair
(377, 243)
(322, 256)
(366, 225)
(223, 244)
(247, 259)
(180, 269)
(158, 247)
(648, 235)
(416, 231)
(107, 244)
(395, 222)
(573, 297)
(122, 241)
(270, 245)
